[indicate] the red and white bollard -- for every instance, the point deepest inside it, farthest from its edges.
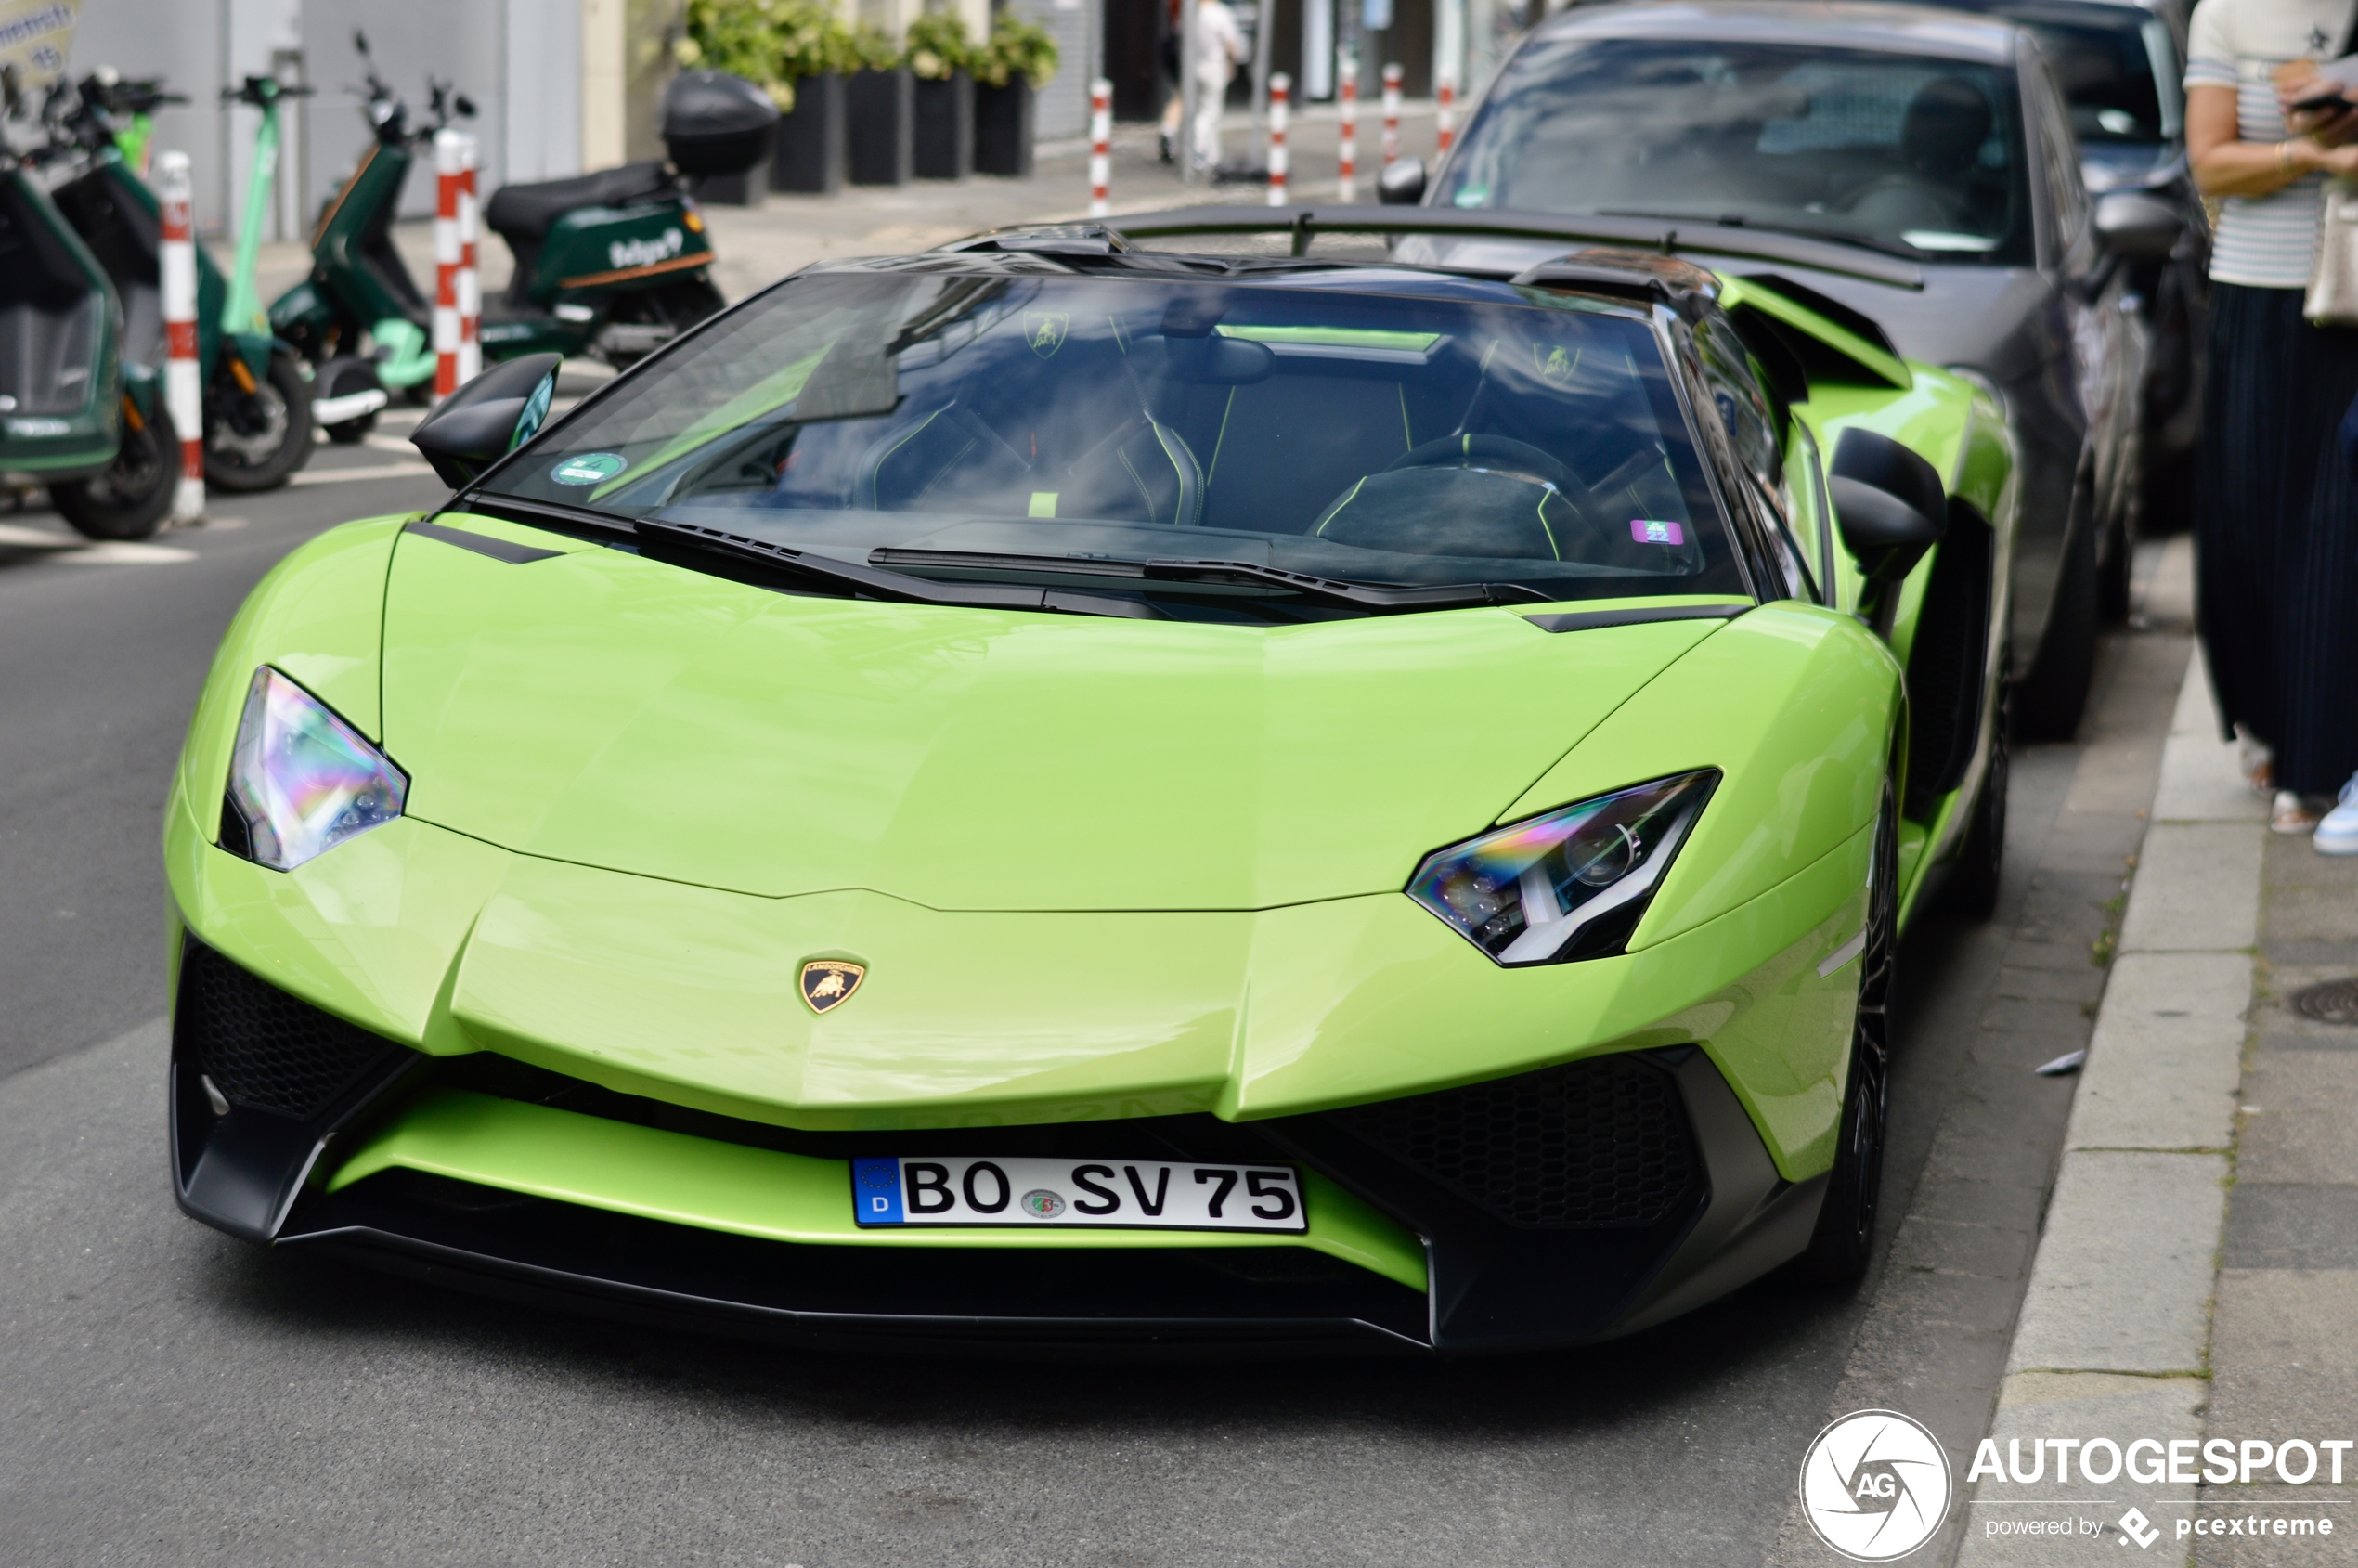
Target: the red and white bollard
(470, 281)
(449, 159)
(1280, 92)
(1390, 115)
(1446, 114)
(1347, 145)
(183, 394)
(1100, 146)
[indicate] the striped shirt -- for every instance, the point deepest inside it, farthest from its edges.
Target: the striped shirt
(2264, 242)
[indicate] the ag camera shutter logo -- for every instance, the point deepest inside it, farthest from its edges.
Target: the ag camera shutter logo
(1875, 1485)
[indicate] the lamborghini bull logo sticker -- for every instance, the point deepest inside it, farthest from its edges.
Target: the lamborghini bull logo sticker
(827, 983)
(1044, 331)
(1554, 365)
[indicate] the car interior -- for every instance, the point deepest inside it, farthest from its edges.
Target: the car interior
(1539, 435)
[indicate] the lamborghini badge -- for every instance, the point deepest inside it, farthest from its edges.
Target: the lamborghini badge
(827, 983)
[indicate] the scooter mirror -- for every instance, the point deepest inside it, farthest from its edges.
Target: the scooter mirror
(488, 417)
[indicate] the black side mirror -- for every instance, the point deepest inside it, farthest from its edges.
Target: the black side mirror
(2137, 226)
(1889, 505)
(1403, 184)
(488, 417)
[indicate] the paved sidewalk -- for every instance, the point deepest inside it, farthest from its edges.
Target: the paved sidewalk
(2196, 1281)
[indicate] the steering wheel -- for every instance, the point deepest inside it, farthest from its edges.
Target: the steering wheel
(1484, 451)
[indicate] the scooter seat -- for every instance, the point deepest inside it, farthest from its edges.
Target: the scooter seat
(524, 212)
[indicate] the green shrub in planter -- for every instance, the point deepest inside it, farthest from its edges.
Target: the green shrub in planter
(1012, 66)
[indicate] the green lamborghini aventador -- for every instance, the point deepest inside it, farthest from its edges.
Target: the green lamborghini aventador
(1058, 790)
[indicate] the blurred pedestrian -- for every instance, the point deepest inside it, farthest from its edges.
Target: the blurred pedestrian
(1176, 94)
(2277, 526)
(1220, 47)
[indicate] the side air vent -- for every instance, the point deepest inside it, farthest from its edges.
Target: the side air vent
(263, 1049)
(1595, 1144)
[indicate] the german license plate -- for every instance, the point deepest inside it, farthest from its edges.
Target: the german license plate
(1131, 1194)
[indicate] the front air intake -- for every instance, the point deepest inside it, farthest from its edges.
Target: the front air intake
(1597, 1143)
(263, 1049)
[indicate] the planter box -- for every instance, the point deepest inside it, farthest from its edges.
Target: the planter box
(1004, 120)
(945, 123)
(808, 154)
(879, 125)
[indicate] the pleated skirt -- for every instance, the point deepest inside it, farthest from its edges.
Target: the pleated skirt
(2277, 533)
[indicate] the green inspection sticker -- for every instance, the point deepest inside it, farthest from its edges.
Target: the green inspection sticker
(588, 468)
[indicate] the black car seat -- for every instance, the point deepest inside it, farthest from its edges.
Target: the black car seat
(1941, 140)
(523, 214)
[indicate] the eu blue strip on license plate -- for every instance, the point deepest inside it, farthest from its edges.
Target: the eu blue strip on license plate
(1128, 1194)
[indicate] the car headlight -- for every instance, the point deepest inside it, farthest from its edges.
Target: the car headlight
(302, 781)
(1568, 885)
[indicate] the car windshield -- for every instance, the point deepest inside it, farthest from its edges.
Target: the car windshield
(1883, 150)
(2117, 68)
(1531, 438)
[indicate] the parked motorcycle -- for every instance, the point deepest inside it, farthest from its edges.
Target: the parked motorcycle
(75, 414)
(257, 390)
(612, 264)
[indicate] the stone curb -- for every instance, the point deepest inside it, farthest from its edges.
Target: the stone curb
(2113, 1340)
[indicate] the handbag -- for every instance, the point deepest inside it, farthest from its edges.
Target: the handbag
(2332, 300)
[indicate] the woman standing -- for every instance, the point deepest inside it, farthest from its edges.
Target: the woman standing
(2276, 511)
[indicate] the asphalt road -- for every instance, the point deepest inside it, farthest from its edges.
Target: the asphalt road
(168, 1395)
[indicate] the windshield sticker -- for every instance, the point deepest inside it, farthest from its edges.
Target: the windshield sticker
(1645, 530)
(1044, 331)
(1043, 503)
(588, 468)
(1554, 365)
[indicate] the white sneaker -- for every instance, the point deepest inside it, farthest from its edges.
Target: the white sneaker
(2337, 829)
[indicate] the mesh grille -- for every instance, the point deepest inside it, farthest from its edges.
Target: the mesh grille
(262, 1048)
(1598, 1143)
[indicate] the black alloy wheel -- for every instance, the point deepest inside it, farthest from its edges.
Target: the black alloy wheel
(255, 440)
(1844, 1240)
(129, 499)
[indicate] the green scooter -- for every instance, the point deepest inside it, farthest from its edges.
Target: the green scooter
(257, 391)
(612, 264)
(74, 414)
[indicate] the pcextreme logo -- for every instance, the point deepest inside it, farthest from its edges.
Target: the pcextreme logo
(1875, 1485)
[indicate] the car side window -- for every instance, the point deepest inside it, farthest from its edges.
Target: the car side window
(1813, 516)
(2059, 152)
(1744, 410)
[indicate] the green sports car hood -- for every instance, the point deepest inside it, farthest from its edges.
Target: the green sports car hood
(595, 707)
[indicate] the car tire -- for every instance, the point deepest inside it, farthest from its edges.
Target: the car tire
(1973, 883)
(280, 406)
(2054, 694)
(129, 499)
(1844, 1242)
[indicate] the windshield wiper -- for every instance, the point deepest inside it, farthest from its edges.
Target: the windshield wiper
(762, 559)
(1331, 590)
(1344, 591)
(1803, 230)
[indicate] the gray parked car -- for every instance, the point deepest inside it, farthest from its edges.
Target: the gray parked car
(1935, 147)
(2121, 63)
